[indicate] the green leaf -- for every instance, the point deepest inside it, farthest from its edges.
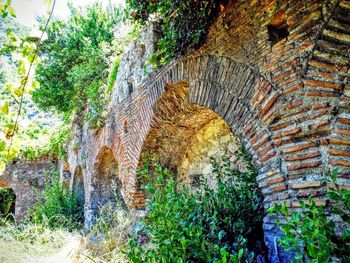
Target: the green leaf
(5, 108)
(11, 11)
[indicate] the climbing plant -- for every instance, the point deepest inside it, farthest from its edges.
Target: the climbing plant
(184, 24)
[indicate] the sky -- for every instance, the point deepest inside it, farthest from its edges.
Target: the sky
(28, 10)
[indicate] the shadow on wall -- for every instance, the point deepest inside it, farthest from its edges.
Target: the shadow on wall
(185, 137)
(78, 186)
(106, 184)
(7, 202)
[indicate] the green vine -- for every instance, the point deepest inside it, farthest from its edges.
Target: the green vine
(184, 24)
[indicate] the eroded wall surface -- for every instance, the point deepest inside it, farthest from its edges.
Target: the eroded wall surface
(27, 179)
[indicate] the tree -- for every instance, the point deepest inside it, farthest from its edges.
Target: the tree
(74, 60)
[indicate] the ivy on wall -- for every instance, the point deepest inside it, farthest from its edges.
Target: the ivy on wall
(184, 24)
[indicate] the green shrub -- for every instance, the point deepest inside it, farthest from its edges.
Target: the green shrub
(57, 207)
(310, 233)
(220, 224)
(184, 24)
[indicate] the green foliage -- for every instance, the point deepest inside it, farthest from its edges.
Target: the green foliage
(75, 60)
(310, 233)
(6, 9)
(57, 142)
(58, 207)
(113, 76)
(7, 202)
(211, 224)
(184, 24)
(30, 138)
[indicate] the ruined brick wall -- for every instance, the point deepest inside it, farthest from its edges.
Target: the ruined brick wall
(27, 179)
(276, 71)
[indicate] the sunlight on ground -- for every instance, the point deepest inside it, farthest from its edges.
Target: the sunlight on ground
(66, 249)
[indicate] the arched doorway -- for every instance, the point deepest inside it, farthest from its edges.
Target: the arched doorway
(186, 137)
(107, 188)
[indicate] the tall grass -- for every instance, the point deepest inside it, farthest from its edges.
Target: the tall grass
(24, 242)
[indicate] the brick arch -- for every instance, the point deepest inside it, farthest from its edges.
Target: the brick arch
(236, 92)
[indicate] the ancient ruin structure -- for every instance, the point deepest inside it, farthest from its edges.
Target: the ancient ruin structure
(26, 179)
(272, 74)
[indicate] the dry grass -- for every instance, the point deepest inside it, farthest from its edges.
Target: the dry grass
(22, 243)
(109, 236)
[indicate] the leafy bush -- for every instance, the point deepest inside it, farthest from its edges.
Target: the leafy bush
(221, 224)
(310, 233)
(58, 207)
(184, 24)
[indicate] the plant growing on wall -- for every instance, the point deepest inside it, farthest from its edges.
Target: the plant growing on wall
(208, 225)
(311, 233)
(184, 24)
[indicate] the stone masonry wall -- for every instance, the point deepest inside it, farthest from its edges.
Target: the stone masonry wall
(276, 71)
(27, 179)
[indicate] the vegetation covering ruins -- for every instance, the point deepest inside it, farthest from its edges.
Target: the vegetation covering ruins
(176, 131)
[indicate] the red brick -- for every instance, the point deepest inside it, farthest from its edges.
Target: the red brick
(303, 185)
(327, 66)
(340, 163)
(298, 147)
(275, 180)
(322, 94)
(304, 165)
(337, 141)
(269, 105)
(343, 132)
(305, 156)
(294, 105)
(278, 188)
(339, 152)
(322, 84)
(293, 88)
(287, 133)
(319, 125)
(344, 120)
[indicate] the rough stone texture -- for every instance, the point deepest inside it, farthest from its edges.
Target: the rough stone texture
(286, 100)
(133, 68)
(26, 179)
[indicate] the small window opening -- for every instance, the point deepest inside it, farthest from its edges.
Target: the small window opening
(278, 28)
(130, 88)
